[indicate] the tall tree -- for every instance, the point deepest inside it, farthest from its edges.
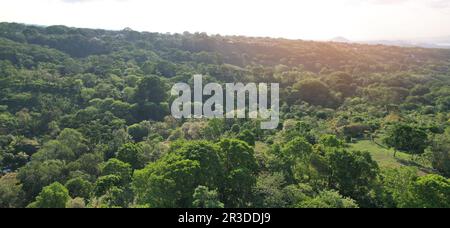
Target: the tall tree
(36, 175)
(150, 89)
(52, 196)
(240, 169)
(204, 198)
(353, 174)
(11, 194)
(431, 191)
(171, 181)
(117, 168)
(328, 199)
(440, 151)
(407, 138)
(132, 154)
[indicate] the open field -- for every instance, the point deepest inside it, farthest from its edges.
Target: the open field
(385, 156)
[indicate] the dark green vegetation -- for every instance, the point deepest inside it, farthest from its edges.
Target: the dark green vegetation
(84, 122)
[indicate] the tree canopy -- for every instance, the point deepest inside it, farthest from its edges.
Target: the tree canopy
(85, 122)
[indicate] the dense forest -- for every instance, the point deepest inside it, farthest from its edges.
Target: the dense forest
(85, 122)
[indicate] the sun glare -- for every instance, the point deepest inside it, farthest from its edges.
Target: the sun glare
(299, 19)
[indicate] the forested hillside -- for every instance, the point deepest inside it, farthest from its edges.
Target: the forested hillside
(85, 122)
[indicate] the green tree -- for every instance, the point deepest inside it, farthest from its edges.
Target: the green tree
(297, 149)
(150, 89)
(397, 186)
(204, 198)
(117, 168)
(150, 111)
(116, 197)
(407, 190)
(165, 68)
(105, 183)
(78, 187)
(214, 130)
(138, 131)
(240, 169)
(54, 150)
(90, 163)
(74, 140)
(167, 183)
(431, 191)
(342, 82)
(328, 199)
(132, 154)
(171, 181)
(296, 158)
(76, 203)
(440, 153)
(407, 138)
(331, 141)
(68, 146)
(353, 174)
(36, 175)
(207, 154)
(52, 196)
(313, 92)
(269, 191)
(248, 137)
(11, 194)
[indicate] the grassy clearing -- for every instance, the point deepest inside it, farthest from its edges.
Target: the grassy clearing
(385, 157)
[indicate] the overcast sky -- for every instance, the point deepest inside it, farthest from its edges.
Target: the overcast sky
(295, 19)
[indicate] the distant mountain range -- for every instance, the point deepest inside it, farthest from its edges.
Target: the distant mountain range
(443, 42)
(341, 39)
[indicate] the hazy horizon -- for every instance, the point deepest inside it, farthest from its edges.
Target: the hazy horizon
(356, 20)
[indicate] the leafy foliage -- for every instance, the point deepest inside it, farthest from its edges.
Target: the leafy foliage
(52, 196)
(90, 109)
